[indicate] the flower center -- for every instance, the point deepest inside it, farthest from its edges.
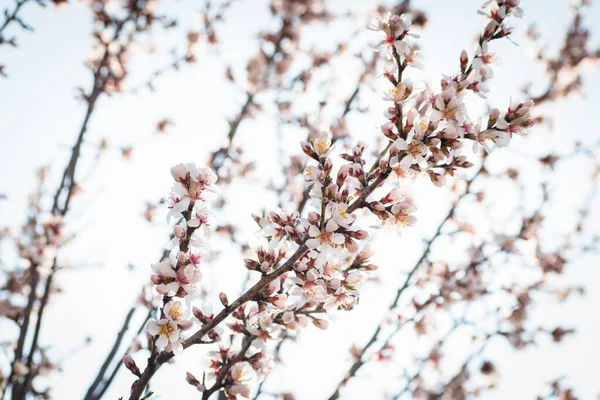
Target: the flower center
(413, 149)
(175, 313)
(325, 237)
(196, 189)
(165, 330)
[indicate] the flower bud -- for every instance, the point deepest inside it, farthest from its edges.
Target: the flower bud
(464, 60)
(307, 149)
(360, 234)
(437, 179)
(313, 217)
(223, 299)
(490, 29)
(342, 175)
(351, 245)
(494, 115)
(328, 165)
(331, 191)
(275, 217)
(251, 264)
(383, 164)
(320, 323)
(178, 231)
(130, 364)
(264, 267)
(388, 131)
(181, 258)
(191, 379)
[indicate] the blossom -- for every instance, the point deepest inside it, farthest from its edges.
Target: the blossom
(341, 299)
(187, 276)
(500, 138)
(191, 184)
(331, 264)
(170, 282)
(394, 29)
(313, 174)
(400, 216)
(410, 54)
(201, 218)
(503, 8)
(340, 214)
(519, 125)
(167, 332)
(325, 237)
(313, 289)
(517, 119)
(416, 153)
(399, 93)
(448, 106)
(165, 278)
(242, 374)
(483, 60)
(175, 312)
(322, 145)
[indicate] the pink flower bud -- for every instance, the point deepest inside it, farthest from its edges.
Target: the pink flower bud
(342, 175)
(200, 315)
(350, 245)
(490, 29)
(320, 323)
(370, 267)
(388, 131)
(464, 60)
(307, 149)
(130, 364)
(494, 115)
(360, 235)
(437, 179)
(275, 217)
(331, 191)
(251, 264)
(328, 165)
(179, 231)
(264, 267)
(191, 379)
(313, 217)
(223, 299)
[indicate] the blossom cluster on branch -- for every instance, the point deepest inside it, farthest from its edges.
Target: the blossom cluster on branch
(312, 266)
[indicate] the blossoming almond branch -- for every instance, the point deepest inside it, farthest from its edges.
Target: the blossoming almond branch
(425, 136)
(267, 74)
(114, 36)
(568, 64)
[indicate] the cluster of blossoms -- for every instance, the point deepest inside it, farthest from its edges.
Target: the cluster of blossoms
(429, 129)
(178, 275)
(312, 266)
(39, 241)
